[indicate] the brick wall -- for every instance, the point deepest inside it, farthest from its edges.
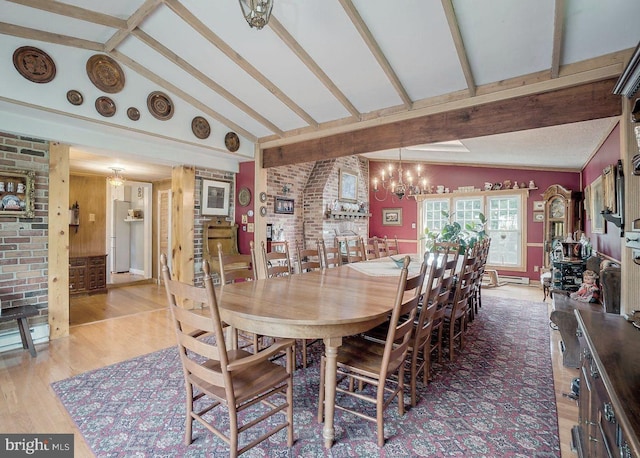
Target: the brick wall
(24, 241)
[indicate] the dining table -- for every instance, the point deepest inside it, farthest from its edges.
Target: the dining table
(326, 304)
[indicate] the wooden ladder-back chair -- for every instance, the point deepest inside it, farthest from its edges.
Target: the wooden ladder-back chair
(369, 248)
(391, 246)
(331, 256)
(457, 311)
(233, 268)
(437, 329)
(483, 253)
(372, 363)
(226, 378)
(380, 247)
(276, 263)
(308, 259)
(355, 250)
(451, 252)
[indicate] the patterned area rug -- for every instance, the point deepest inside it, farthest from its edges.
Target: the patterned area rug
(495, 400)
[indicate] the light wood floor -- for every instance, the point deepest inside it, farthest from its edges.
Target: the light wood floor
(28, 404)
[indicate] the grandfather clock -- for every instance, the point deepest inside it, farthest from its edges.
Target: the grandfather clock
(561, 217)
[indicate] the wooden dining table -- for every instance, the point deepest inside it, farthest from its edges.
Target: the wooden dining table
(328, 304)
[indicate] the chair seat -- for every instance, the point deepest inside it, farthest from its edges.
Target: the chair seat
(246, 383)
(363, 356)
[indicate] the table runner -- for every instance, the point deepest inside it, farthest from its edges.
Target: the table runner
(386, 267)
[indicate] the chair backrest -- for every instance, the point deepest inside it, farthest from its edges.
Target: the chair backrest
(431, 301)
(308, 259)
(408, 296)
(391, 246)
(190, 325)
(277, 264)
(235, 267)
(370, 251)
(331, 256)
(355, 250)
(451, 252)
(380, 247)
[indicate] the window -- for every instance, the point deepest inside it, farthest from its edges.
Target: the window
(505, 222)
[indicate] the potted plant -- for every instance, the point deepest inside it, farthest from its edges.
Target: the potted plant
(467, 237)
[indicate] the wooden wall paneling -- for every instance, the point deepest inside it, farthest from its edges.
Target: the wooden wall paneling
(573, 104)
(630, 286)
(91, 194)
(58, 240)
(183, 182)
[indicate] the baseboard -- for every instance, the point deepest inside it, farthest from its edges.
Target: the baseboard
(136, 272)
(10, 338)
(514, 279)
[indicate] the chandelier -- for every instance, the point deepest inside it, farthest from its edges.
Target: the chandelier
(256, 12)
(116, 179)
(394, 181)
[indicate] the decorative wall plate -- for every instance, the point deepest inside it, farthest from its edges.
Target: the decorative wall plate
(244, 197)
(105, 106)
(133, 113)
(231, 141)
(105, 73)
(34, 64)
(75, 97)
(263, 196)
(160, 105)
(263, 211)
(200, 127)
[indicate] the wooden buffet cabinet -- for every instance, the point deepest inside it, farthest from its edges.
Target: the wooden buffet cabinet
(88, 274)
(609, 401)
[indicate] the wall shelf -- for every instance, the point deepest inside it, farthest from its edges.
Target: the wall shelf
(130, 220)
(347, 215)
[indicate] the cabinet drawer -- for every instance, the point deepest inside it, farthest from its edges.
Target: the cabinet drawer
(77, 262)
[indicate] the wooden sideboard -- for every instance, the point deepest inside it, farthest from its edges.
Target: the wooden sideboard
(88, 274)
(609, 401)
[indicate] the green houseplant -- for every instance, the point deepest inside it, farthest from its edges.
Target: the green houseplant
(467, 237)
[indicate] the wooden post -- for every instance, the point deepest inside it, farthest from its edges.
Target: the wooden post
(260, 185)
(183, 182)
(58, 240)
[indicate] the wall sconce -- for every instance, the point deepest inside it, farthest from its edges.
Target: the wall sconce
(286, 188)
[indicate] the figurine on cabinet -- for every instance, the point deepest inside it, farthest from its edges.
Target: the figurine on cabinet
(589, 290)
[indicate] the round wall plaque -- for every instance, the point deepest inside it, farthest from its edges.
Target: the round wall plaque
(74, 97)
(105, 73)
(160, 105)
(244, 197)
(263, 211)
(34, 64)
(231, 141)
(200, 127)
(133, 113)
(263, 197)
(105, 106)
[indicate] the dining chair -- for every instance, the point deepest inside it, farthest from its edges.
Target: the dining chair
(456, 312)
(218, 378)
(437, 328)
(276, 263)
(355, 251)
(372, 363)
(369, 248)
(308, 259)
(391, 246)
(451, 253)
(234, 268)
(380, 247)
(331, 256)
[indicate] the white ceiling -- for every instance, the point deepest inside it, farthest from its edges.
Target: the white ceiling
(315, 67)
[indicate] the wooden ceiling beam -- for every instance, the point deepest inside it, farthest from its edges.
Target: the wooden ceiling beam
(373, 46)
(562, 106)
(558, 34)
(148, 7)
(454, 27)
(48, 37)
(74, 12)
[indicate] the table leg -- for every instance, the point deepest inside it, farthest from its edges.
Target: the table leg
(331, 352)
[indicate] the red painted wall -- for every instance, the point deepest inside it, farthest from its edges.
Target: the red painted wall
(453, 176)
(245, 178)
(609, 243)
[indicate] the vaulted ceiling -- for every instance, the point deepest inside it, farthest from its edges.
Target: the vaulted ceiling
(318, 68)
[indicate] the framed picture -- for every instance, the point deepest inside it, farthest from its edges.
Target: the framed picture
(348, 186)
(17, 190)
(283, 205)
(538, 217)
(392, 216)
(596, 194)
(215, 197)
(538, 205)
(269, 232)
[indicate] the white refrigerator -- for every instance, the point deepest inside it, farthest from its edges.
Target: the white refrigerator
(120, 237)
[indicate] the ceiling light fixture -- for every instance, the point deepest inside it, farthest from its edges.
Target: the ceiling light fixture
(116, 179)
(393, 180)
(256, 12)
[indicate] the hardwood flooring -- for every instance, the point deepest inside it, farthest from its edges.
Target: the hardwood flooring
(28, 404)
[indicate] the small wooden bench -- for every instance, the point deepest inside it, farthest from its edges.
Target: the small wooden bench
(20, 314)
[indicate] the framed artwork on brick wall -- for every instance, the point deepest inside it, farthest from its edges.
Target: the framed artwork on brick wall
(215, 197)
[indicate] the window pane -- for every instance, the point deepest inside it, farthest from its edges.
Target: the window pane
(434, 219)
(504, 223)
